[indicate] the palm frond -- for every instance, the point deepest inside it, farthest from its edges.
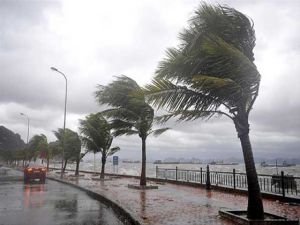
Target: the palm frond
(223, 60)
(187, 115)
(119, 93)
(158, 132)
(113, 151)
(120, 113)
(120, 132)
(120, 124)
(164, 118)
(163, 93)
(225, 89)
(224, 22)
(90, 145)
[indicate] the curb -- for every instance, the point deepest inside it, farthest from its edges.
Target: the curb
(122, 214)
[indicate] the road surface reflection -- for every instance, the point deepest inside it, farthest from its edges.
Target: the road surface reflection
(34, 195)
(51, 203)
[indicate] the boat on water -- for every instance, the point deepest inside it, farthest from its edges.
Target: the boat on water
(223, 163)
(284, 164)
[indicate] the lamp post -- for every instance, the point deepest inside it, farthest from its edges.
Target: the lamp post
(63, 149)
(28, 121)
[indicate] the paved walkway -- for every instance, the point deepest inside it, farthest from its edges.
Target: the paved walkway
(172, 204)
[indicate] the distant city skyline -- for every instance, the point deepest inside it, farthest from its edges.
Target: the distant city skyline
(90, 157)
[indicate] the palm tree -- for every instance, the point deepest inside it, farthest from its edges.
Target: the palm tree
(96, 136)
(130, 113)
(72, 144)
(52, 151)
(20, 154)
(77, 160)
(38, 146)
(212, 73)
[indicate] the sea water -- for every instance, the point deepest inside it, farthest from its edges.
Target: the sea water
(135, 168)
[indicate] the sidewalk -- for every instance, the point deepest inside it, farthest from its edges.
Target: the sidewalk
(172, 204)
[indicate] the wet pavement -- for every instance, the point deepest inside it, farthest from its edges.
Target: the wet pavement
(174, 204)
(51, 203)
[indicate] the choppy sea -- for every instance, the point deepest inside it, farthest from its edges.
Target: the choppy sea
(135, 168)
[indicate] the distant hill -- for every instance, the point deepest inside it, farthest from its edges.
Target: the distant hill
(10, 140)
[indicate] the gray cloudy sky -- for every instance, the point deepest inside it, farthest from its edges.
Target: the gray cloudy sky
(93, 41)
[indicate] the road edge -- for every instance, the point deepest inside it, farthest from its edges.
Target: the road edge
(123, 214)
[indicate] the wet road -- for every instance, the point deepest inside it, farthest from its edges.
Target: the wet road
(51, 203)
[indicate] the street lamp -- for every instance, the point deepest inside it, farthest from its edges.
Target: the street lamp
(22, 114)
(63, 149)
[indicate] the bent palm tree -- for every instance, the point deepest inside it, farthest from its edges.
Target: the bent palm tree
(38, 146)
(53, 150)
(96, 136)
(212, 72)
(130, 113)
(71, 143)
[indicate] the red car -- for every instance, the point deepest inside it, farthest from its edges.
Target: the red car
(34, 172)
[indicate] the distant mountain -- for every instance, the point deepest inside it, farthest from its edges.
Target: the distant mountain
(9, 140)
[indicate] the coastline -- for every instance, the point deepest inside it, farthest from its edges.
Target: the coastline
(134, 168)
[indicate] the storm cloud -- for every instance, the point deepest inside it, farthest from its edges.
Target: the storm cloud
(92, 42)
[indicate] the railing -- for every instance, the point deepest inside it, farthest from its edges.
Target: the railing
(285, 185)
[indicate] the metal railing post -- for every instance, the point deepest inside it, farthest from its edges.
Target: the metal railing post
(201, 175)
(234, 185)
(176, 173)
(208, 185)
(282, 184)
(187, 175)
(156, 171)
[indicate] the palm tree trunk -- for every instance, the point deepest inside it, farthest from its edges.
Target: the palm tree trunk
(143, 172)
(65, 165)
(103, 159)
(48, 163)
(77, 166)
(255, 208)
